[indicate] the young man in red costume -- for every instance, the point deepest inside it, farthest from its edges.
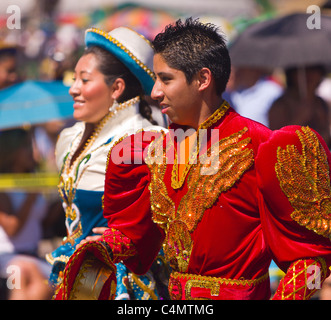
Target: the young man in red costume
(225, 197)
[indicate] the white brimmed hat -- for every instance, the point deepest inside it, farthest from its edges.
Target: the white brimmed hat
(131, 48)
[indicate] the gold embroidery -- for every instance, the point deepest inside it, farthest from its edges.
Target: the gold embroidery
(229, 159)
(297, 286)
(50, 259)
(226, 281)
(67, 192)
(178, 245)
(175, 288)
(107, 264)
(121, 246)
(213, 286)
(92, 276)
(148, 289)
(212, 283)
(162, 206)
(305, 181)
(177, 182)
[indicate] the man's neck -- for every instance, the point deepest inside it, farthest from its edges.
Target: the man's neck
(208, 108)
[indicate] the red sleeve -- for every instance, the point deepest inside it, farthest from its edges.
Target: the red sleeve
(294, 183)
(126, 200)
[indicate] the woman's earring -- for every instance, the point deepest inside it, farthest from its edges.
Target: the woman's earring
(114, 107)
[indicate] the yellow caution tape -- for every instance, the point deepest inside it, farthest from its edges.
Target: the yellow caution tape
(41, 181)
(276, 272)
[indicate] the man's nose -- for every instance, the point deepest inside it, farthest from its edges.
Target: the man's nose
(156, 93)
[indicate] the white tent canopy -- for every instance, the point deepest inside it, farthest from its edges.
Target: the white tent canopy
(229, 9)
(225, 8)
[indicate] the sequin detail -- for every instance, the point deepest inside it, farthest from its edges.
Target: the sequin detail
(229, 158)
(302, 279)
(177, 182)
(180, 283)
(304, 178)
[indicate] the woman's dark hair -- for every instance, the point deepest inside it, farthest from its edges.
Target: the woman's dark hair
(112, 69)
(190, 46)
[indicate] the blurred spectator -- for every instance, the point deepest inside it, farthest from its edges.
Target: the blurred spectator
(45, 137)
(300, 105)
(251, 92)
(324, 91)
(44, 140)
(8, 62)
(21, 217)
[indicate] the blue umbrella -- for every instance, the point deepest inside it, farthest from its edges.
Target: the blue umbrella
(32, 102)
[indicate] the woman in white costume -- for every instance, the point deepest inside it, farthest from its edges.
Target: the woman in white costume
(111, 79)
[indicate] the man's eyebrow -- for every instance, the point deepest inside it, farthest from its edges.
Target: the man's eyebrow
(164, 74)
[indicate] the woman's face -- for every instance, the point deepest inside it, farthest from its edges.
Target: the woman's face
(92, 96)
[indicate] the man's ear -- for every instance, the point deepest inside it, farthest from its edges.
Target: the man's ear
(118, 88)
(204, 78)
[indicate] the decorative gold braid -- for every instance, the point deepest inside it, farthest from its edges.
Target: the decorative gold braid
(216, 116)
(177, 182)
(147, 289)
(90, 280)
(67, 272)
(294, 284)
(239, 282)
(122, 247)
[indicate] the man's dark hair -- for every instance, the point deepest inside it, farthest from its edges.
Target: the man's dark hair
(190, 46)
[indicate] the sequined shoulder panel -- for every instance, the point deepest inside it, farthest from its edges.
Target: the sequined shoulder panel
(304, 179)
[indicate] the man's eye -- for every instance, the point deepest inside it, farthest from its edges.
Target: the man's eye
(165, 79)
